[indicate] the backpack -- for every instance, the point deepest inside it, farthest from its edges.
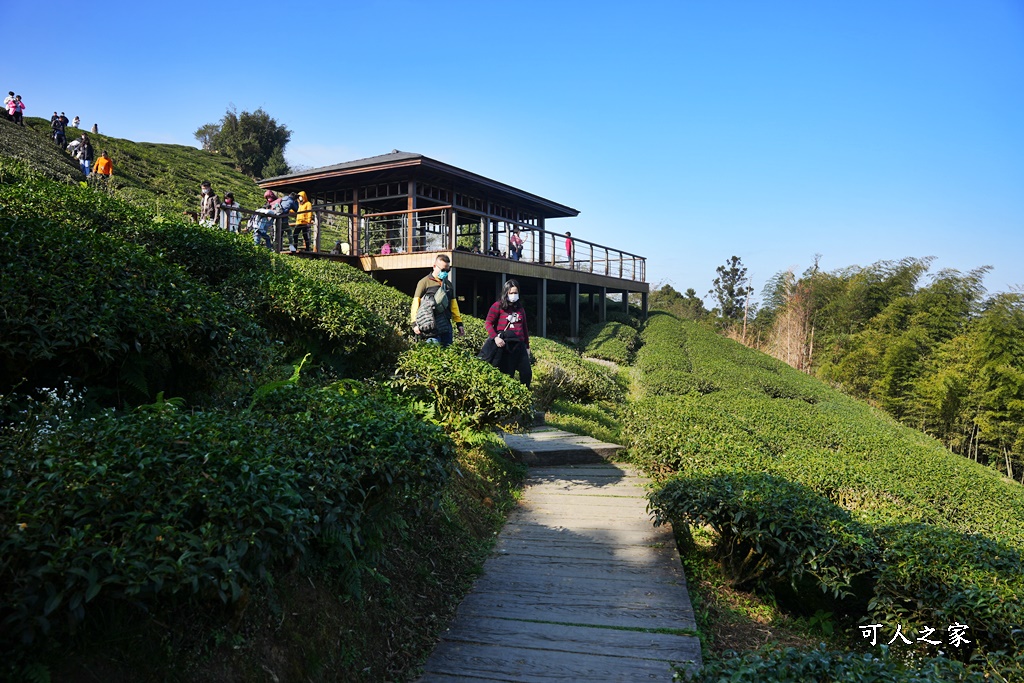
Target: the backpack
(430, 307)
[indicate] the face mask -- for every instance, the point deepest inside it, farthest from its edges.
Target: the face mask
(513, 298)
(443, 275)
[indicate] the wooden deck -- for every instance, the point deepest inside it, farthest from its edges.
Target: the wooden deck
(580, 587)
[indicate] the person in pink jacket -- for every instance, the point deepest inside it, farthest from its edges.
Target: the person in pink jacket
(15, 108)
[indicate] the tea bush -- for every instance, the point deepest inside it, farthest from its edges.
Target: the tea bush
(560, 372)
(822, 665)
(614, 341)
(770, 530)
(949, 532)
(160, 502)
(464, 390)
(108, 314)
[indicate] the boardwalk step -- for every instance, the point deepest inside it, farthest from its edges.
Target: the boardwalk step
(581, 586)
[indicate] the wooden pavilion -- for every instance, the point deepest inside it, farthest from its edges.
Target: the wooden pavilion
(391, 215)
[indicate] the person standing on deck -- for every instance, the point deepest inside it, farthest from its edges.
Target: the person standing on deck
(569, 248)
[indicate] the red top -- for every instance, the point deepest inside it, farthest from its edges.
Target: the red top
(511, 322)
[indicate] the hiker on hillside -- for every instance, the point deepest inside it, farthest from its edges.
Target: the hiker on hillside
(104, 166)
(84, 154)
(231, 214)
(63, 120)
(434, 307)
(209, 205)
(59, 136)
(7, 101)
(303, 221)
(506, 328)
(76, 121)
(15, 109)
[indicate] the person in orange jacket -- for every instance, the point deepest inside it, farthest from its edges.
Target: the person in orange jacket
(104, 166)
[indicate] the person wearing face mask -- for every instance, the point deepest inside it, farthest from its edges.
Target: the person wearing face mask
(209, 206)
(434, 307)
(506, 326)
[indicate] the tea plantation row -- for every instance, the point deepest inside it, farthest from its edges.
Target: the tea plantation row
(814, 494)
(111, 495)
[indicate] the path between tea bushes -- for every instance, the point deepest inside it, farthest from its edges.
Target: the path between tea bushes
(580, 585)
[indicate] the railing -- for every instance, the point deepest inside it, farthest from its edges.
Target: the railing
(438, 229)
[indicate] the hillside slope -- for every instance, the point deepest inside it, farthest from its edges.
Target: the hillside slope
(161, 176)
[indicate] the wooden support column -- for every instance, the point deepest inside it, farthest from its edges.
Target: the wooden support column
(540, 241)
(625, 302)
(602, 311)
(643, 304)
(542, 306)
(476, 293)
(451, 230)
(574, 309)
(353, 237)
(410, 218)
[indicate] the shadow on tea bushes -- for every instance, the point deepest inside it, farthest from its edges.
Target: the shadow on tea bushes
(162, 504)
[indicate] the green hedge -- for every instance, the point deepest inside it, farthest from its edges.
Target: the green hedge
(560, 373)
(113, 316)
(771, 530)
(461, 389)
(949, 531)
(612, 340)
(161, 502)
(822, 665)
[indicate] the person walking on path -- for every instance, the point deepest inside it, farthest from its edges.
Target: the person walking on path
(209, 205)
(303, 220)
(435, 295)
(85, 154)
(230, 212)
(506, 326)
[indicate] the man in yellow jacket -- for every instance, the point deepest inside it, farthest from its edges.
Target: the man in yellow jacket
(434, 322)
(303, 221)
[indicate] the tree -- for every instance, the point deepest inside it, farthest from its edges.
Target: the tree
(729, 289)
(254, 140)
(205, 135)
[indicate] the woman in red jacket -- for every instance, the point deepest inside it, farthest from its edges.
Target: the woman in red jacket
(506, 325)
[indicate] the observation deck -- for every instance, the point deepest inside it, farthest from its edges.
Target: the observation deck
(391, 215)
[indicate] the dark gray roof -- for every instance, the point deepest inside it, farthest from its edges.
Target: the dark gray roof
(398, 158)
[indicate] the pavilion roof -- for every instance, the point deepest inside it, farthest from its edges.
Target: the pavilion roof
(371, 169)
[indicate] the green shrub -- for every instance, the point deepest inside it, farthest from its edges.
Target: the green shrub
(613, 341)
(109, 315)
(931, 576)
(792, 665)
(160, 502)
(464, 391)
(770, 530)
(560, 373)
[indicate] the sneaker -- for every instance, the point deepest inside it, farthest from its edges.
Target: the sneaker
(291, 248)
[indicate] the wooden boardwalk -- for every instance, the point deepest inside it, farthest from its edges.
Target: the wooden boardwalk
(580, 587)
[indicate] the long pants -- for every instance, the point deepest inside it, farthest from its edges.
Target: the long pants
(304, 229)
(85, 164)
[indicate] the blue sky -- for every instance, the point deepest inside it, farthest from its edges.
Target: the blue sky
(683, 131)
